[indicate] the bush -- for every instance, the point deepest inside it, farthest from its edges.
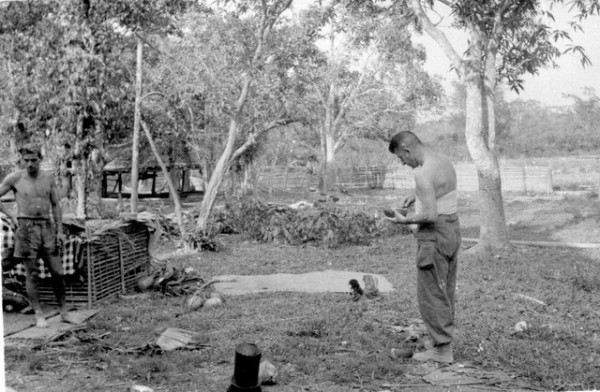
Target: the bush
(324, 224)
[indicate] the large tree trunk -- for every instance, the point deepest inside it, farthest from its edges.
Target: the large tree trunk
(479, 113)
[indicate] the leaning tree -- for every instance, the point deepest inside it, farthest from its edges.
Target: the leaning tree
(506, 39)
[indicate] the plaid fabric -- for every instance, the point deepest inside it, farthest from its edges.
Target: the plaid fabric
(7, 241)
(69, 253)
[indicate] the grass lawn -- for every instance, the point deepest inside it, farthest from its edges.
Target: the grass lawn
(327, 342)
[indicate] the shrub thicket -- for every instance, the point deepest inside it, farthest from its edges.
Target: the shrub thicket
(324, 224)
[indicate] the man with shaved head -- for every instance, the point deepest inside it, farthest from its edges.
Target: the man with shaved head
(438, 239)
(37, 234)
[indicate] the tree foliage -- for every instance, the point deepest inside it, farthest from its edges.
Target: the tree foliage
(68, 69)
(365, 83)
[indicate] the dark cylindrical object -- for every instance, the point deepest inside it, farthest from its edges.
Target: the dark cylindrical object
(245, 371)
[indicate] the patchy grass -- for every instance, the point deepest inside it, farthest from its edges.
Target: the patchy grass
(327, 339)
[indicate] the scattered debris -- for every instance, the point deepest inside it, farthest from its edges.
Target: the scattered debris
(174, 338)
(521, 326)
(204, 296)
(531, 299)
(213, 302)
(13, 301)
(199, 240)
(450, 378)
(301, 205)
(267, 373)
(357, 291)
(194, 302)
(170, 339)
(140, 388)
(414, 331)
(56, 327)
(171, 281)
(402, 353)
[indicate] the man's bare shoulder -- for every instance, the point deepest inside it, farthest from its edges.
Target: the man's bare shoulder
(47, 174)
(14, 177)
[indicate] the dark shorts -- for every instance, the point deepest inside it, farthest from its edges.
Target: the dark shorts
(35, 238)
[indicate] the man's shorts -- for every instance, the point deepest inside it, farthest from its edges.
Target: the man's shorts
(35, 238)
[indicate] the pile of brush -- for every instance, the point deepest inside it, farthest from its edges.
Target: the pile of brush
(171, 281)
(182, 282)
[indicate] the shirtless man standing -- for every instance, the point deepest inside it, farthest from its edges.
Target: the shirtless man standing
(438, 240)
(36, 235)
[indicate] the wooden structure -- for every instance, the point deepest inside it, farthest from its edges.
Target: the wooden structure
(112, 259)
(113, 183)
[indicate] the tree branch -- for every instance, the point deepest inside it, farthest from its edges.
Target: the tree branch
(254, 135)
(438, 36)
(353, 93)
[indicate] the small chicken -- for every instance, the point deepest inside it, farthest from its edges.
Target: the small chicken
(357, 291)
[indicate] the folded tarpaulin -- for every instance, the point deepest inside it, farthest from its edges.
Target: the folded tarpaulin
(311, 282)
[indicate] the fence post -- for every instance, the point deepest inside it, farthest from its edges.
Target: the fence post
(525, 176)
(598, 168)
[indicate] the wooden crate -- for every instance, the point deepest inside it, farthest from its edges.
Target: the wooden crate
(111, 264)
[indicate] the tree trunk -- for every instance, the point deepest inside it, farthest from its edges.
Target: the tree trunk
(328, 158)
(478, 74)
(493, 232)
(135, 152)
(247, 179)
(172, 188)
(80, 166)
(268, 19)
(210, 193)
(80, 186)
(95, 205)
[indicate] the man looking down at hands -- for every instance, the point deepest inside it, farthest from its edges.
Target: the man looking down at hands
(438, 239)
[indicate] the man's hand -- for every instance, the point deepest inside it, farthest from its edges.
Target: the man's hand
(396, 215)
(408, 201)
(60, 238)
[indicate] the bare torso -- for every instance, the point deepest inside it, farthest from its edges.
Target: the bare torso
(33, 195)
(440, 171)
(433, 180)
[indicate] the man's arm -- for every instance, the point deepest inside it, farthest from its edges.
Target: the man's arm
(5, 187)
(56, 209)
(425, 191)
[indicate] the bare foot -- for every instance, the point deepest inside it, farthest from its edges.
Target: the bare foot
(69, 318)
(40, 322)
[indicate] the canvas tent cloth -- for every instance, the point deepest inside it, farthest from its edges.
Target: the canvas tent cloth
(70, 252)
(312, 282)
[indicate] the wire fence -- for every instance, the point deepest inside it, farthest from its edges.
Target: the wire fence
(538, 175)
